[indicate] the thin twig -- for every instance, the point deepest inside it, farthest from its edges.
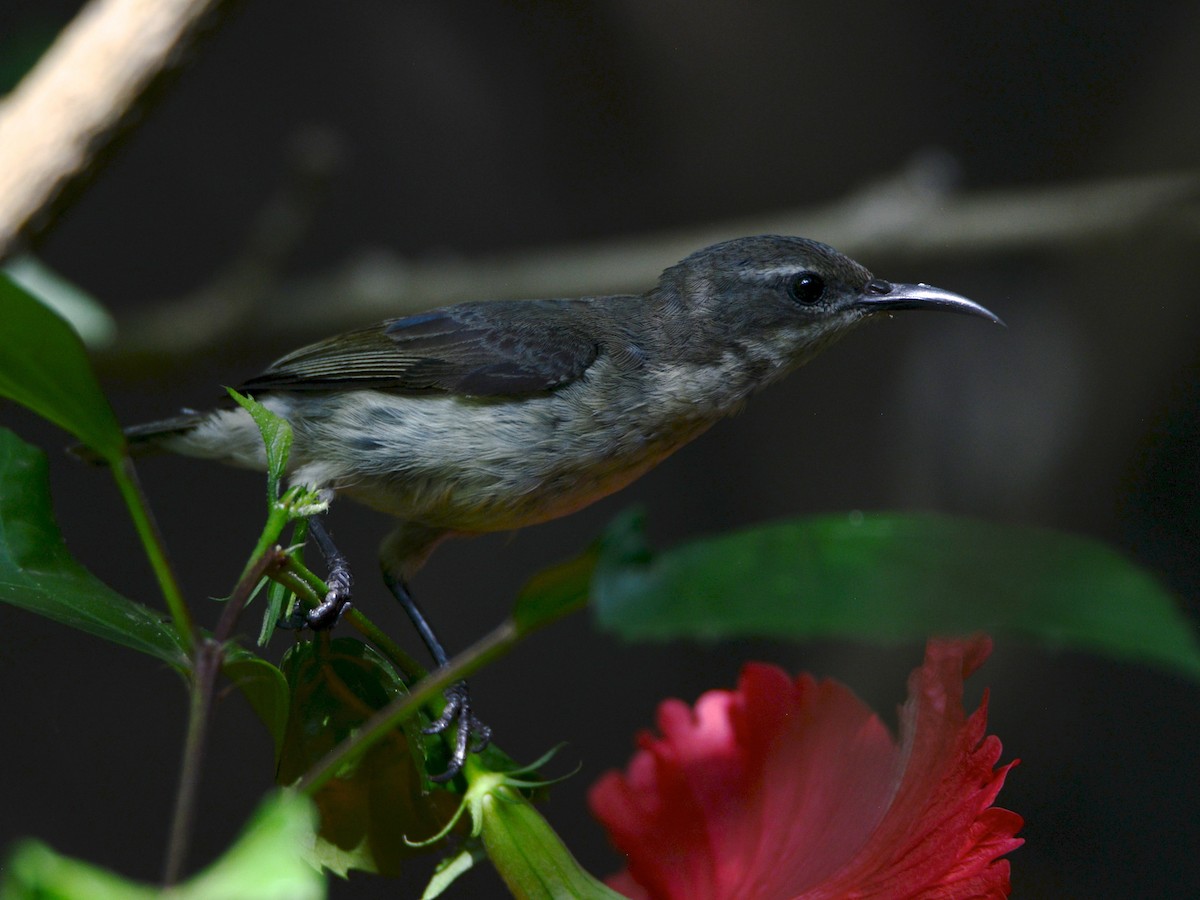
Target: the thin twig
(209, 658)
(206, 665)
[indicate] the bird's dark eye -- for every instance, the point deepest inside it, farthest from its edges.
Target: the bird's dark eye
(807, 288)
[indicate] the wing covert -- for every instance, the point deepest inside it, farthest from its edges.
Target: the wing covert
(497, 348)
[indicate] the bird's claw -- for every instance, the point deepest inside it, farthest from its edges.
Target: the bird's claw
(470, 735)
(328, 612)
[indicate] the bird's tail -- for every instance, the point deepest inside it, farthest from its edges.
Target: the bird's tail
(146, 438)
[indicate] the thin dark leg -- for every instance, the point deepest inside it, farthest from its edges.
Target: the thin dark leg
(458, 699)
(330, 611)
(400, 591)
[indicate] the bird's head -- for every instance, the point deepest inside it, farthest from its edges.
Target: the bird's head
(781, 299)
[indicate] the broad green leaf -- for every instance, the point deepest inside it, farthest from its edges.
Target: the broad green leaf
(35, 872)
(530, 857)
(43, 366)
(555, 592)
(38, 573)
(277, 438)
(264, 687)
(92, 322)
(371, 807)
(266, 863)
(892, 577)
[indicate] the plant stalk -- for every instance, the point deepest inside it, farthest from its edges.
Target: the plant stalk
(309, 587)
(203, 683)
(156, 551)
(209, 657)
(488, 648)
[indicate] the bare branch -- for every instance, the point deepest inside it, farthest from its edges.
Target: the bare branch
(69, 106)
(912, 215)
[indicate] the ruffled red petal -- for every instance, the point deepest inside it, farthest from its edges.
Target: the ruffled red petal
(794, 789)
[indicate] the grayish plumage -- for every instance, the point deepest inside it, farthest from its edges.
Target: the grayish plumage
(496, 415)
(490, 416)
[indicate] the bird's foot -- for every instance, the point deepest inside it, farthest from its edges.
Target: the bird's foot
(328, 612)
(470, 735)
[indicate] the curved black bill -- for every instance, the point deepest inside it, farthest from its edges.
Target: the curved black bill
(883, 296)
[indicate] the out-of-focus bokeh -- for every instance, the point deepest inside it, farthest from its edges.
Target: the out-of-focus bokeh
(491, 127)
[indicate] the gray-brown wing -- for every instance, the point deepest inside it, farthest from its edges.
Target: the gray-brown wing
(499, 348)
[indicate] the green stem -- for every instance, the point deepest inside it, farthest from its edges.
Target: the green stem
(490, 647)
(156, 551)
(315, 581)
(410, 669)
(310, 588)
(293, 582)
(277, 520)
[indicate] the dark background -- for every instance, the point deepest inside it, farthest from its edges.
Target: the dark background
(480, 127)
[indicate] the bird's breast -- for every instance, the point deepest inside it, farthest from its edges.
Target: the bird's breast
(486, 464)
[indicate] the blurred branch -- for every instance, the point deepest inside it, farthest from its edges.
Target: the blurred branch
(913, 215)
(70, 105)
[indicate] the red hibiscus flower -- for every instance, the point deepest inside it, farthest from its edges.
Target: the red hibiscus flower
(794, 789)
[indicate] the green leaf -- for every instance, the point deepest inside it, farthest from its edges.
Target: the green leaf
(448, 871)
(37, 572)
(277, 442)
(277, 438)
(36, 872)
(264, 687)
(555, 592)
(266, 863)
(892, 577)
(92, 322)
(279, 598)
(530, 857)
(374, 804)
(43, 366)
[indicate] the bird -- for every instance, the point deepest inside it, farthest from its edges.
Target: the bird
(495, 415)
